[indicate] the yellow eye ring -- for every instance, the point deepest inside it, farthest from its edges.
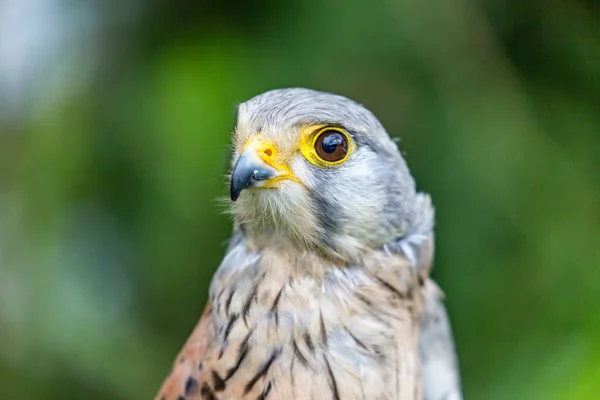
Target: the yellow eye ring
(327, 146)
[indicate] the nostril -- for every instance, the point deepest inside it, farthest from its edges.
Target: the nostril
(268, 152)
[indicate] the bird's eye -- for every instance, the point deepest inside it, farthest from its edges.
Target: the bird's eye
(325, 146)
(331, 145)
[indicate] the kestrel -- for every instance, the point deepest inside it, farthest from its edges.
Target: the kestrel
(324, 291)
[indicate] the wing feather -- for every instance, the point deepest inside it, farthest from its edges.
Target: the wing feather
(185, 380)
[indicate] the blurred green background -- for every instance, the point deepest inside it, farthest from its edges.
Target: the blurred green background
(114, 129)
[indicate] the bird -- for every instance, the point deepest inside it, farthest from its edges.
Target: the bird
(324, 291)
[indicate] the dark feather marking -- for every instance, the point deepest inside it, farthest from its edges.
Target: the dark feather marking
(329, 216)
(376, 311)
(218, 382)
(248, 303)
(299, 354)
(230, 324)
(273, 310)
(358, 342)
(180, 398)
(390, 287)
(221, 352)
(323, 330)
(332, 381)
(228, 302)
(309, 342)
(263, 371)
(243, 352)
(276, 302)
(191, 386)
(207, 392)
(264, 394)
(292, 381)
(380, 354)
(364, 299)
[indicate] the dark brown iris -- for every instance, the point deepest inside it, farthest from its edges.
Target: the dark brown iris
(331, 146)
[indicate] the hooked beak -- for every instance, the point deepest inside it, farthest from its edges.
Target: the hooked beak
(257, 167)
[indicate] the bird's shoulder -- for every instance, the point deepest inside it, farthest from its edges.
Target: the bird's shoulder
(186, 378)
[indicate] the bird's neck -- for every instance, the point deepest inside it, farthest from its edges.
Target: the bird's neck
(332, 321)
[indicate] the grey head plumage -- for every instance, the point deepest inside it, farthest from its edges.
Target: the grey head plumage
(364, 202)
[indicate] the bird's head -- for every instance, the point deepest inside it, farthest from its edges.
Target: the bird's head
(313, 170)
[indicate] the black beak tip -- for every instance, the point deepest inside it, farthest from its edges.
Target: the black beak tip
(239, 182)
(247, 173)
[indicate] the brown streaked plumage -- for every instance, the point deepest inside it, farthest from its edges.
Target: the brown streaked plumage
(324, 289)
(281, 363)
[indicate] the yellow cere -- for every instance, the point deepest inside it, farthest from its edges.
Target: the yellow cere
(308, 137)
(268, 152)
